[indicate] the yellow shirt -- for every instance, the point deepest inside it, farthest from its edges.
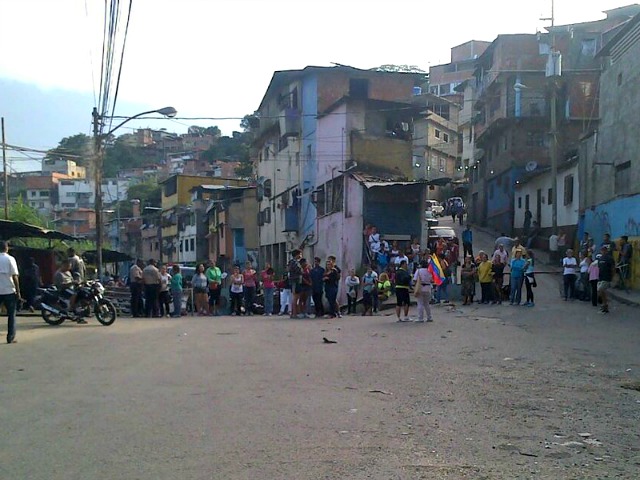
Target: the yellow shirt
(485, 275)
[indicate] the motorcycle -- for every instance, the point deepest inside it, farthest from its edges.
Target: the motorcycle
(89, 300)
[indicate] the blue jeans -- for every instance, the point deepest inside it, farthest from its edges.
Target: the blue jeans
(268, 300)
(516, 289)
(177, 302)
(10, 302)
(442, 292)
(331, 293)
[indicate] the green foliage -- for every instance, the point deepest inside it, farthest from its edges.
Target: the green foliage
(119, 156)
(21, 212)
(78, 148)
(149, 193)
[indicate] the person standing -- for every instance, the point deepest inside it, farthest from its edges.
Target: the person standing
(331, 282)
(78, 269)
(352, 283)
(586, 245)
(442, 292)
(305, 288)
(285, 294)
(176, 291)
(423, 280)
(199, 283)
(214, 279)
(562, 243)
(606, 268)
(164, 297)
(569, 267)
(135, 287)
(31, 281)
(606, 242)
(317, 274)
(295, 279)
(517, 267)
(585, 289)
(531, 238)
(268, 287)
(467, 242)
(530, 279)
(369, 280)
(403, 283)
(526, 225)
(236, 291)
(624, 260)
(152, 280)
(250, 283)
(485, 277)
(415, 255)
(594, 274)
(9, 289)
(468, 274)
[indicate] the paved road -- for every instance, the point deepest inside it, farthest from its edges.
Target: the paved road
(495, 392)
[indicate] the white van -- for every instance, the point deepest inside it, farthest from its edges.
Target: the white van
(435, 208)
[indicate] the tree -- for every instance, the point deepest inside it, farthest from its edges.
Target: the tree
(78, 148)
(403, 69)
(149, 193)
(120, 155)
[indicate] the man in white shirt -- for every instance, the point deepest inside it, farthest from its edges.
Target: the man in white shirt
(9, 288)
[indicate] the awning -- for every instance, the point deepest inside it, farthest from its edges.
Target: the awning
(10, 229)
(108, 256)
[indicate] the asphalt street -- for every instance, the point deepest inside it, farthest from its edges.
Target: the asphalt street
(484, 392)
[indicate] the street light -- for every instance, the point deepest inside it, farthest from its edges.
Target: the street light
(99, 138)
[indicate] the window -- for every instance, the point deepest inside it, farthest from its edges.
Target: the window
(329, 197)
(550, 196)
(445, 88)
(437, 133)
(445, 137)
(491, 192)
(568, 189)
(519, 202)
(622, 184)
(526, 202)
(359, 88)
(505, 141)
(171, 186)
(588, 47)
(41, 204)
(268, 191)
(181, 245)
(33, 192)
(44, 193)
(193, 244)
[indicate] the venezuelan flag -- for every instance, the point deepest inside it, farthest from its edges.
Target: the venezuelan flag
(436, 270)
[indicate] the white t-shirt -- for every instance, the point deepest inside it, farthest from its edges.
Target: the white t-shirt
(569, 265)
(584, 266)
(423, 276)
(553, 243)
(400, 258)
(8, 268)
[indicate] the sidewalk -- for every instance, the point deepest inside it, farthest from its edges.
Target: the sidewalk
(631, 297)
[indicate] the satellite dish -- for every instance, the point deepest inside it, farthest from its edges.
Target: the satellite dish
(531, 166)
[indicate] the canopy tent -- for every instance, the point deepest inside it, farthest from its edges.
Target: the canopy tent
(10, 229)
(108, 256)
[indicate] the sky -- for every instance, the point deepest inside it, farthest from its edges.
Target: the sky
(215, 58)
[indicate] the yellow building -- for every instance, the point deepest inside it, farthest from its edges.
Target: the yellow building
(176, 198)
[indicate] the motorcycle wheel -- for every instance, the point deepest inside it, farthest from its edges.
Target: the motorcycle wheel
(50, 318)
(105, 312)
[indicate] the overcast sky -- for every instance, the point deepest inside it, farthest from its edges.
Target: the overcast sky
(215, 58)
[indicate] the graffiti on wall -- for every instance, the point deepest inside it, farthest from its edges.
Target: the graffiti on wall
(617, 217)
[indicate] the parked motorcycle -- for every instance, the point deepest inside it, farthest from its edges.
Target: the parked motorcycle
(89, 300)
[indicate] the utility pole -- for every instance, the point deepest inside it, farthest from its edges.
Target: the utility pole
(553, 71)
(97, 178)
(6, 175)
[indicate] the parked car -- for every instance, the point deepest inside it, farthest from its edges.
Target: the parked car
(431, 218)
(435, 207)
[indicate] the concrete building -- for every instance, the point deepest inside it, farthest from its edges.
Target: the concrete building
(513, 108)
(533, 193)
(443, 79)
(318, 126)
(81, 193)
(176, 201)
(610, 154)
(233, 221)
(42, 191)
(65, 167)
